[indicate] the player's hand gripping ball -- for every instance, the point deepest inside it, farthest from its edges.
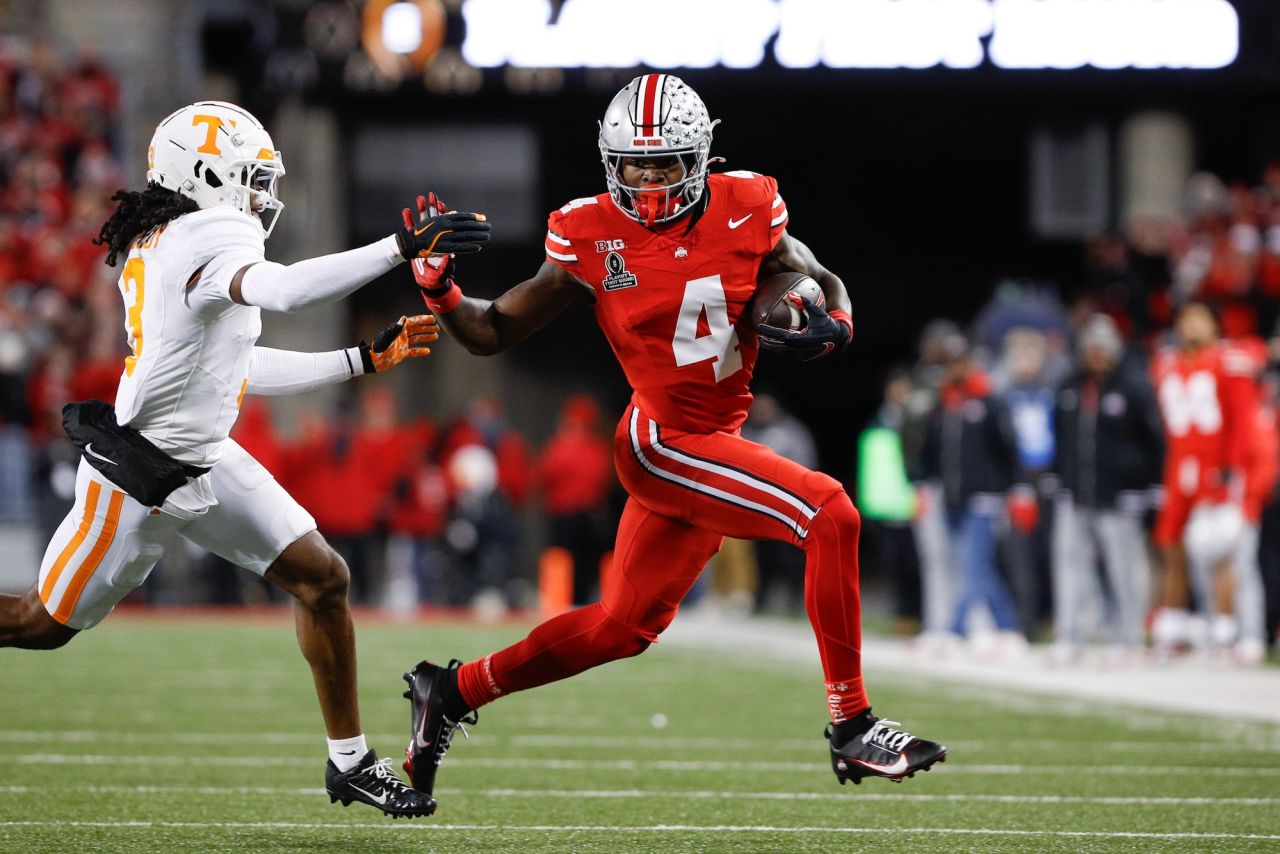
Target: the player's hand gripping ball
(790, 317)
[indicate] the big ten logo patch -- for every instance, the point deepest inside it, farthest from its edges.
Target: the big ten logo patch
(614, 245)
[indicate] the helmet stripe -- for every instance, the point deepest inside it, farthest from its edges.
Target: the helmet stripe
(649, 91)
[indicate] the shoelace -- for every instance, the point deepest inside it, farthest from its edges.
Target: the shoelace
(381, 771)
(883, 734)
(446, 733)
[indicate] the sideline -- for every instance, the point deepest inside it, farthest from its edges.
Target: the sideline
(1189, 685)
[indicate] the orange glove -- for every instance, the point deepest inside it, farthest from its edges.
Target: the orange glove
(407, 338)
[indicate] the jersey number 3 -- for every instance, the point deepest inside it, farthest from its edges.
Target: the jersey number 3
(133, 279)
(703, 330)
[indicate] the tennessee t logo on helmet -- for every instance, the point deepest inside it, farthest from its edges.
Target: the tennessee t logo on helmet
(218, 154)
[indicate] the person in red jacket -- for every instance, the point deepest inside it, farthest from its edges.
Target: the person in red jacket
(575, 473)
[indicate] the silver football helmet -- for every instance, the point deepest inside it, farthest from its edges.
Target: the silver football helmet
(657, 115)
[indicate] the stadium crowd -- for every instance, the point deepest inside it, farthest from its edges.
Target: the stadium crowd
(1011, 484)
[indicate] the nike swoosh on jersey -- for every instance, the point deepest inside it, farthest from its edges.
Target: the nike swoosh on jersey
(734, 223)
(88, 449)
(377, 799)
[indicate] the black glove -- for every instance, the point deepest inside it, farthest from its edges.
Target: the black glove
(441, 234)
(820, 337)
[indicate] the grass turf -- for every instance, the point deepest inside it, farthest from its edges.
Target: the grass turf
(203, 735)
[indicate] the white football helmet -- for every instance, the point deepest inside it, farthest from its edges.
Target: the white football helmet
(657, 115)
(218, 154)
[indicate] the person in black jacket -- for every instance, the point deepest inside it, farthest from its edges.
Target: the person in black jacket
(971, 450)
(1109, 457)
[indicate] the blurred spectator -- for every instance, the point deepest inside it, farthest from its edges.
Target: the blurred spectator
(779, 565)
(1028, 394)
(970, 448)
(485, 424)
(1108, 459)
(939, 342)
(482, 532)
(575, 473)
(887, 501)
(417, 567)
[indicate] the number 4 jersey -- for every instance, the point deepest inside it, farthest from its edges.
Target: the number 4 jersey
(673, 304)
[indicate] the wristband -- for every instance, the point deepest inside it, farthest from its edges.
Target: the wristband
(445, 302)
(842, 317)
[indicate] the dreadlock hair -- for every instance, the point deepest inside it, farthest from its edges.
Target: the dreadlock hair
(139, 213)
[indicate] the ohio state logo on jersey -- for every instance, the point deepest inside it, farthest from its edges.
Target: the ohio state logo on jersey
(618, 277)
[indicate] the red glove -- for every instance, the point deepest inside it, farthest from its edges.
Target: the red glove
(434, 274)
(1023, 510)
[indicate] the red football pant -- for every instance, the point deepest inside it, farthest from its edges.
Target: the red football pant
(689, 491)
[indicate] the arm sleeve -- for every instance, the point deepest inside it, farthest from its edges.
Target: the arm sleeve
(277, 372)
(317, 281)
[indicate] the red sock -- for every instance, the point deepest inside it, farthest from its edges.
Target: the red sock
(834, 606)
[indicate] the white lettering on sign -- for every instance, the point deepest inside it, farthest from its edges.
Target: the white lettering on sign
(1015, 34)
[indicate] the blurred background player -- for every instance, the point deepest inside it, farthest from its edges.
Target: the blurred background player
(670, 257)
(971, 451)
(159, 465)
(1209, 400)
(1108, 460)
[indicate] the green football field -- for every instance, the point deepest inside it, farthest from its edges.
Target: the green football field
(201, 734)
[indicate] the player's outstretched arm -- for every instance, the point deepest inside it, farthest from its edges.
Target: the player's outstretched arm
(482, 326)
(487, 327)
(279, 372)
(319, 281)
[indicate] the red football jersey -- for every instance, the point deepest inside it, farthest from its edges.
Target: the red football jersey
(673, 303)
(1209, 402)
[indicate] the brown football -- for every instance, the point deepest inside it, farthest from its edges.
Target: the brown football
(771, 306)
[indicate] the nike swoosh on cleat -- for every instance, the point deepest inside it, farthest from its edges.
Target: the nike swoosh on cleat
(417, 734)
(734, 223)
(899, 767)
(380, 800)
(88, 449)
(346, 753)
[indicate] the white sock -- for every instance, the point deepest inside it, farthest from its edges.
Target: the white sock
(346, 753)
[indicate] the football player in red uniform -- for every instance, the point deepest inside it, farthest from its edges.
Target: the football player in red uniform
(669, 257)
(1209, 400)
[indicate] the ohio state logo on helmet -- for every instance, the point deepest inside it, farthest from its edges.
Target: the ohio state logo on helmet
(657, 115)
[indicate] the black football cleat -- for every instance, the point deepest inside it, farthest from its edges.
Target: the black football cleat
(432, 730)
(373, 782)
(883, 751)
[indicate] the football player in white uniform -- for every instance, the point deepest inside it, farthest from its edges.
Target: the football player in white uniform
(160, 464)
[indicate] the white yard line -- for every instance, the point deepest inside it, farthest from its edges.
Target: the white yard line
(656, 742)
(640, 764)
(648, 794)
(428, 827)
(1190, 686)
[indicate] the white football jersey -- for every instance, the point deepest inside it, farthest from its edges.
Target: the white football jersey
(183, 384)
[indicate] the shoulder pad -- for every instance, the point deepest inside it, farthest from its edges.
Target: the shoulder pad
(221, 228)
